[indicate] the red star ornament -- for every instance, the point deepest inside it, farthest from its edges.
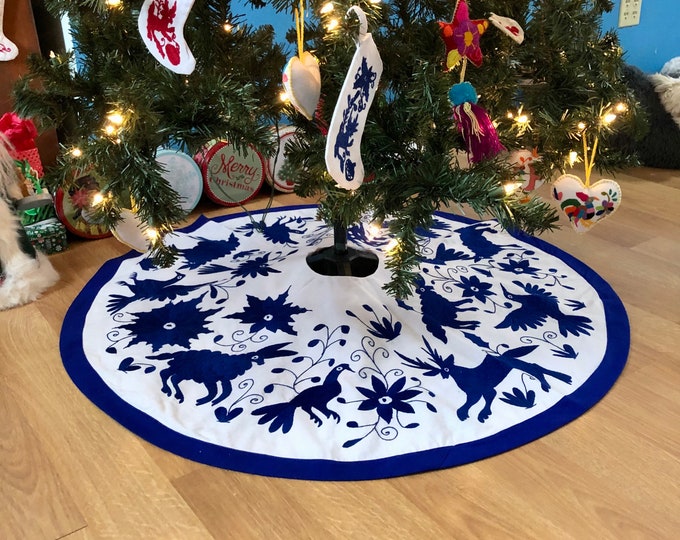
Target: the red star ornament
(461, 36)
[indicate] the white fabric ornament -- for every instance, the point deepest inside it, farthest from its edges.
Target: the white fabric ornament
(343, 145)
(8, 50)
(161, 25)
(508, 26)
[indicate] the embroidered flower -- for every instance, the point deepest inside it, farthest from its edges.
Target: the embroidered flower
(472, 287)
(518, 267)
(269, 313)
(386, 400)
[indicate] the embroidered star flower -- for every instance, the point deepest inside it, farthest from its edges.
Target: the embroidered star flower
(257, 266)
(272, 314)
(386, 400)
(473, 287)
(518, 267)
(171, 324)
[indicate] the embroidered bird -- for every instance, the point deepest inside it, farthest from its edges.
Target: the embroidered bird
(281, 415)
(148, 289)
(438, 312)
(536, 307)
(207, 250)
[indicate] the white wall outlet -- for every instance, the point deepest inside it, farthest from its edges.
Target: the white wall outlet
(629, 12)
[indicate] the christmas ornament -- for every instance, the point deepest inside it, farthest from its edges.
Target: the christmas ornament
(161, 25)
(183, 175)
(461, 36)
(585, 205)
(479, 133)
(508, 26)
(8, 50)
(301, 75)
(343, 145)
(74, 209)
(523, 161)
(231, 176)
(131, 231)
(279, 173)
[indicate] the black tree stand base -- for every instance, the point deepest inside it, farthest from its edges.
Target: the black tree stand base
(341, 260)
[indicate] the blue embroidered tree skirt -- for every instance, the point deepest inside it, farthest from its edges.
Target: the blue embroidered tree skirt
(240, 356)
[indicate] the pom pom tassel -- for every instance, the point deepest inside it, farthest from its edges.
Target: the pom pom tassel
(473, 122)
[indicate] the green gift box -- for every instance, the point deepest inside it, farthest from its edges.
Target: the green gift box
(48, 236)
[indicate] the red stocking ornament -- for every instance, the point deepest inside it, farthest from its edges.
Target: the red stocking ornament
(161, 24)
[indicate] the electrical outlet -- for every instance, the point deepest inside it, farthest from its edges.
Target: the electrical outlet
(629, 12)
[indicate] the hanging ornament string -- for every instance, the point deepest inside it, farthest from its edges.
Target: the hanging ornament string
(588, 161)
(301, 76)
(299, 13)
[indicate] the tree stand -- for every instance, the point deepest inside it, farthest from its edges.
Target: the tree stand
(341, 260)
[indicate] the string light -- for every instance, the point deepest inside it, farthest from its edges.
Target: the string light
(609, 118)
(227, 27)
(76, 152)
(522, 119)
(581, 126)
(392, 246)
(511, 187)
(152, 234)
(621, 107)
(510, 115)
(332, 25)
(283, 96)
(327, 8)
(115, 118)
(374, 229)
(97, 199)
(113, 3)
(573, 158)
(110, 129)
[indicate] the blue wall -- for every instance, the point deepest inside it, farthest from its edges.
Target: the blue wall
(655, 40)
(648, 45)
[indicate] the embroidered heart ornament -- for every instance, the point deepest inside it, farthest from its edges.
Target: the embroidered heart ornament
(585, 206)
(302, 82)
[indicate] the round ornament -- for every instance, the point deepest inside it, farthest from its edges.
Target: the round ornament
(231, 176)
(279, 174)
(74, 209)
(183, 175)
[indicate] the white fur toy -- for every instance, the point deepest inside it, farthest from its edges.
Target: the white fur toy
(24, 273)
(668, 89)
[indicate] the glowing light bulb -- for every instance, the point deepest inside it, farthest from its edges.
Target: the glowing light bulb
(97, 199)
(511, 187)
(152, 234)
(609, 118)
(375, 1)
(113, 3)
(283, 96)
(109, 129)
(510, 115)
(115, 118)
(327, 8)
(573, 158)
(522, 119)
(621, 107)
(76, 152)
(227, 27)
(332, 25)
(581, 126)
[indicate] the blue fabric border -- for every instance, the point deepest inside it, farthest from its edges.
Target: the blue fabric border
(149, 429)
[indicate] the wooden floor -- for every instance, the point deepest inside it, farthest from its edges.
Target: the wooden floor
(69, 471)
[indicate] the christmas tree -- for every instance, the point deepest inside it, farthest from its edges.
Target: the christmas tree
(115, 105)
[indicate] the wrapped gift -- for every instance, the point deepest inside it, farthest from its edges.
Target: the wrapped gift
(22, 133)
(48, 236)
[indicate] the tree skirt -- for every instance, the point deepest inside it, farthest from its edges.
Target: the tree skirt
(240, 356)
